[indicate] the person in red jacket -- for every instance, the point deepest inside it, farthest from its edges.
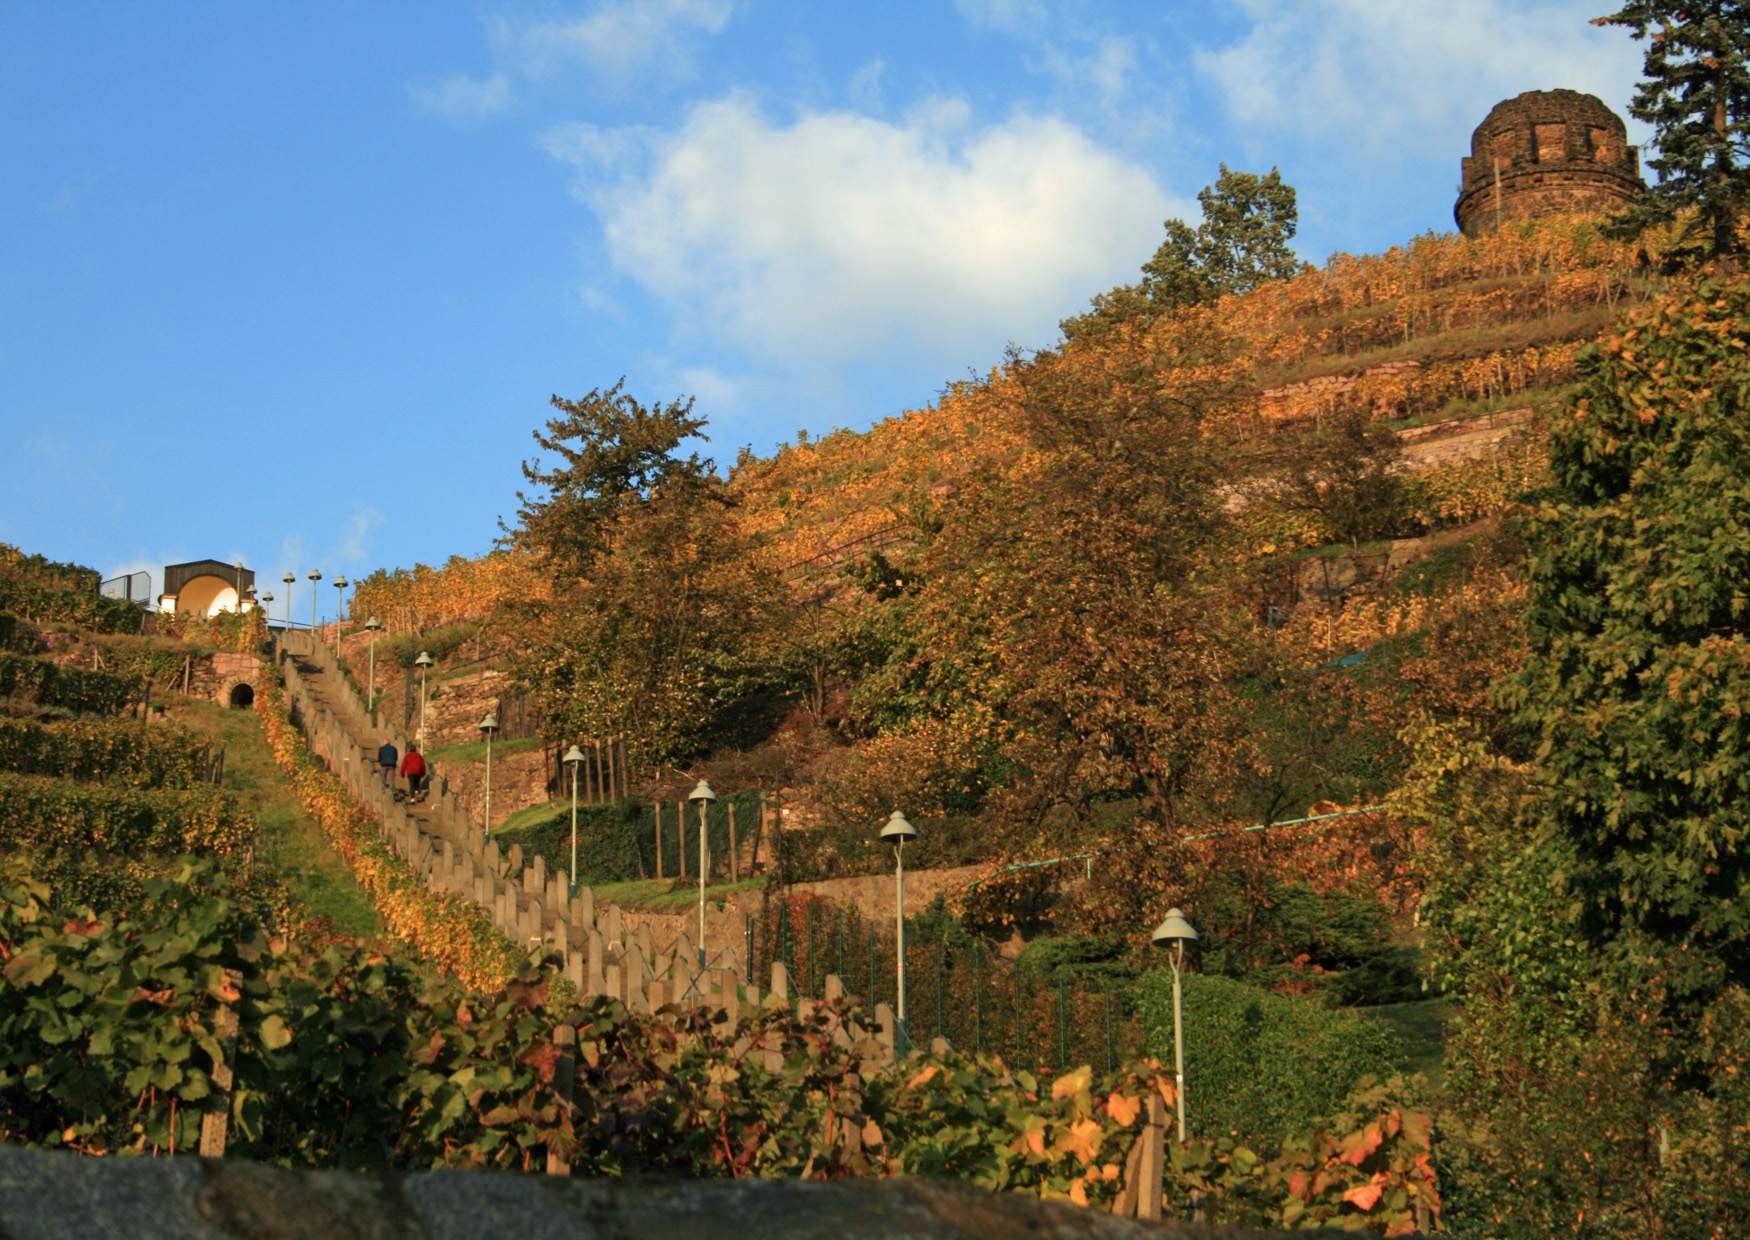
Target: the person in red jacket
(413, 767)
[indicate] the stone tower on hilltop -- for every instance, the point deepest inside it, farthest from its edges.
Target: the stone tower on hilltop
(1546, 152)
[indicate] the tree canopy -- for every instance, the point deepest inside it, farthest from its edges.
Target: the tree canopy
(1248, 221)
(1638, 682)
(614, 454)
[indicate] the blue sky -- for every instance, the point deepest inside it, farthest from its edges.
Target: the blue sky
(293, 283)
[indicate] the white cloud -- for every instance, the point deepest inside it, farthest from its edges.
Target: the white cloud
(600, 151)
(836, 234)
(1404, 73)
(354, 542)
(715, 390)
(1008, 16)
(864, 89)
(1100, 75)
(462, 97)
(617, 40)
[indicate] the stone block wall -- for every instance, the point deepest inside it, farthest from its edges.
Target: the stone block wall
(1546, 152)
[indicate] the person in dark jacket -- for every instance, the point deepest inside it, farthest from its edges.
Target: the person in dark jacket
(413, 766)
(388, 759)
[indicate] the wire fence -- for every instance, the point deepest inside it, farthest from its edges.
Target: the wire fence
(957, 988)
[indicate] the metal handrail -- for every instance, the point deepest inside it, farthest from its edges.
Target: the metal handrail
(1189, 839)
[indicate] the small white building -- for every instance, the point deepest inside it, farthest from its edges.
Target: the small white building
(207, 587)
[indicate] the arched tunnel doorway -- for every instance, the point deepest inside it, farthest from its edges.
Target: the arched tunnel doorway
(242, 696)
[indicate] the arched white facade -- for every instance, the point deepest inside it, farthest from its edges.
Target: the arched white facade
(205, 596)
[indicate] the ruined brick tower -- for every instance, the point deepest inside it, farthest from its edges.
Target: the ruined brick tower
(1546, 152)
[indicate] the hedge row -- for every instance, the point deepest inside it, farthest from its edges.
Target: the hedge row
(118, 752)
(49, 684)
(1258, 1063)
(53, 814)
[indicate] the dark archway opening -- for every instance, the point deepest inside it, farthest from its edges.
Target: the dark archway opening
(242, 697)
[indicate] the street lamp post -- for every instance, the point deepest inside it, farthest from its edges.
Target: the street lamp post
(489, 725)
(373, 625)
(266, 610)
(315, 596)
(339, 605)
(702, 796)
(1175, 932)
(573, 756)
(291, 580)
(897, 832)
(239, 567)
(422, 663)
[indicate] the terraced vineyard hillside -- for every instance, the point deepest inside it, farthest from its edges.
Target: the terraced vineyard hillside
(1457, 347)
(111, 775)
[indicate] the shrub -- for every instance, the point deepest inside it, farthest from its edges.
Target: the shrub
(19, 636)
(1080, 958)
(610, 840)
(1260, 1064)
(1292, 937)
(49, 684)
(238, 632)
(439, 643)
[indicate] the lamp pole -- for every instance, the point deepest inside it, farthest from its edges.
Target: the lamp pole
(266, 606)
(1175, 931)
(339, 606)
(315, 596)
(897, 832)
(291, 580)
(372, 626)
(239, 567)
(573, 756)
(702, 796)
(422, 663)
(489, 725)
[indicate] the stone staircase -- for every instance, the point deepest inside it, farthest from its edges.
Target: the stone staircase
(602, 954)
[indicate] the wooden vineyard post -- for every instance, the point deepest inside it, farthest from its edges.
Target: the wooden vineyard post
(656, 809)
(596, 748)
(759, 833)
(564, 1080)
(680, 816)
(1154, 1168)
(1145, 1170)
(218, 1109)
(734, 860)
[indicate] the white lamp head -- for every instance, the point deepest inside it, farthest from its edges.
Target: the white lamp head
(702, 793)
(490, 723)
(574, 755)
(424, 660)
(1173, 929)
(897, 830)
